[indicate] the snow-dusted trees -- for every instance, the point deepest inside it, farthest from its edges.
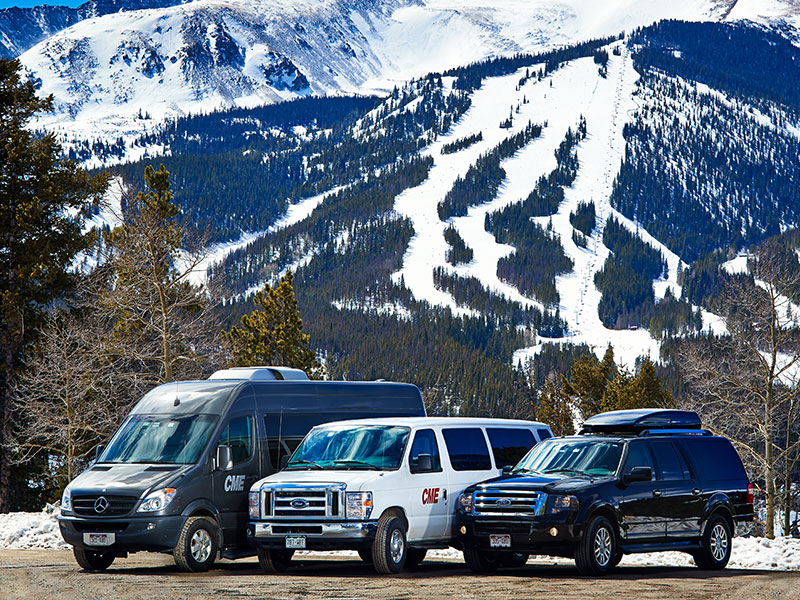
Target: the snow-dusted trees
(745, 383)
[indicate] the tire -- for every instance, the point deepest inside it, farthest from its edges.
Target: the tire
(597, 548)
(197, 545)
(615, 560)
(366, 555)
(414, 556)
(513, 559)
(717, 544)
(90, 560)
(481, 561)
(274, 561)
(389, 549)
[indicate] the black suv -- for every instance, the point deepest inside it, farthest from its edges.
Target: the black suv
(631, 481)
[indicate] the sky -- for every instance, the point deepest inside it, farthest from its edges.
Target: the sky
(28, 3)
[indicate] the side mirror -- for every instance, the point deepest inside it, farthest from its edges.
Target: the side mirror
(507, 469)
(638, 474)
(224, 458)
(98, 450)
(283, 462)
(422, 464)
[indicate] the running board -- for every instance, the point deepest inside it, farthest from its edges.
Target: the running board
(660, 547)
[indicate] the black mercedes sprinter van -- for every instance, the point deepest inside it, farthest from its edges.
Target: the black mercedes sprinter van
(174, 477)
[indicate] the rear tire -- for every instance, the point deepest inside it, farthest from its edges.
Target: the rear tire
(197, 545)
(716, 550)
(414, 556)
(274, 561)
(481, 561)
(597, 548)
(91, 560)
(389, 550)
(513, 559)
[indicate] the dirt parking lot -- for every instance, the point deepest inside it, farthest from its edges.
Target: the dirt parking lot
(46, 574)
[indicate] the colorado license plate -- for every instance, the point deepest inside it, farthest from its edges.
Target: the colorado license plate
(98, 539)
(499, 541)
(298, 542)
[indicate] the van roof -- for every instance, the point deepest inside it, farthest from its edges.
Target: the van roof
(438, 421)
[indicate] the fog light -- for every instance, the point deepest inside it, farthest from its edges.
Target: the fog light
(463, 530)
(151, 526)
(554, 531)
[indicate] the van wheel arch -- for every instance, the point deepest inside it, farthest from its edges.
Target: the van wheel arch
(398, 512)
(204, 512)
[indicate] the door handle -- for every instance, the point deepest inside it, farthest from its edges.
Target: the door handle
(695, 492)
(444, 494)
(656, 493)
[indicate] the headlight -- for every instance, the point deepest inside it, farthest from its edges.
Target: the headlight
(465, 502)
(562, 503)
(157, 500)
(253, 505)
(358, 505)
(66, 500)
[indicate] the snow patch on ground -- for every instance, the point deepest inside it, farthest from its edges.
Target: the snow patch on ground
(28, 530)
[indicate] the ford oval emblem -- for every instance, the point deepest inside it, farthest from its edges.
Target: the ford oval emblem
(503, 502)
(299, 503)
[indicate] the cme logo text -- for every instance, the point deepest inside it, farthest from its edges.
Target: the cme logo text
(234, 483)
(430, 495)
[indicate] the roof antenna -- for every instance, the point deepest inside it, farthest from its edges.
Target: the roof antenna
(177, 400)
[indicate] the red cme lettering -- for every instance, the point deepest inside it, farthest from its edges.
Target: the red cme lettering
(430, 495)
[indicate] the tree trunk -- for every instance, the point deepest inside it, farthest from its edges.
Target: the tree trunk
(5, 427)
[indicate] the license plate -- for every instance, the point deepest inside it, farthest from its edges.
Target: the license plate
(499, 541)
(98, 539)
(298, 542)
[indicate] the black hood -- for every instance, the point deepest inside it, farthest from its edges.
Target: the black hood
(553, 483)
(125, 479)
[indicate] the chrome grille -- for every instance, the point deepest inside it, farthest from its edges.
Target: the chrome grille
(302, 502)
(509, 502)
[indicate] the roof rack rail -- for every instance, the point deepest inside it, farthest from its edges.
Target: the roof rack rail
(645, 432)
(639, 420)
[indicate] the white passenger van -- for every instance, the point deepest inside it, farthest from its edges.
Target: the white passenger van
(385, 487)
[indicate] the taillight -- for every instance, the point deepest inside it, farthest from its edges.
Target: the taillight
(750, 493)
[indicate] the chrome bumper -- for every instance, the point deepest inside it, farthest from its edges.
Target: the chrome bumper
(360, 530)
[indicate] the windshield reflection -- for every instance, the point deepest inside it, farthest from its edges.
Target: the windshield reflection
(160, 439)
(595, 458)
(369, 447)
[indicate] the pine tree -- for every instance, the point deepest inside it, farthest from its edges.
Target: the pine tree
(42, 199)
(555, 407)
(588, 382)
(273, 333)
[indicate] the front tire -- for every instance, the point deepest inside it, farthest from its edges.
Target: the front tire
(274, 561)
(91, 560)
(389, 549)
(513, 559)
(414, 556)
(481, 561)
(197, 545)
(598, 547)
(716, 550)
(366, 555)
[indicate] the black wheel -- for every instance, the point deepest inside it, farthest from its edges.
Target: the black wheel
(597, 548)
(513, 559)
(389, 548)
(366, 555)
(616, 558)
(414, 556)
(92, 560)
(274, 561)
(197, 545)
(716, 541)
(481, 561)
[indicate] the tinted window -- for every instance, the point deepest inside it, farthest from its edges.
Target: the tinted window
(714, 459)
(509, 445)
(669, 464)
(544, 434)
(160, 439)
(238, 434)
(639, 456)
(424, 444)
(467, 449)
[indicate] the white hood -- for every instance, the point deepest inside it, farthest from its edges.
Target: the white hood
(354, 480)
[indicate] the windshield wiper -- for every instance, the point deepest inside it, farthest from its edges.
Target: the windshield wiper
(359, 463)
(305, 462)
(523, 470)
(564, 471)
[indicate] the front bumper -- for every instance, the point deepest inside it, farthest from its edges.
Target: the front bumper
(545, 535)
(320, 535)
(152, 533)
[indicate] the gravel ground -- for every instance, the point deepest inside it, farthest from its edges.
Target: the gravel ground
(46, 574)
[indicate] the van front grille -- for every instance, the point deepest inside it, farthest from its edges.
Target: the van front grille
(509, 502)
(296, 502)
(102, 505)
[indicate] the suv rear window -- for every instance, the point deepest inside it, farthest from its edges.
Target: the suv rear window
(714, 458)
(509, 445)
(467, 449)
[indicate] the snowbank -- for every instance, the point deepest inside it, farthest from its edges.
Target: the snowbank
(39, 531)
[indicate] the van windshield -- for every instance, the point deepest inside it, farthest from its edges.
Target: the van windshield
(595, 458)
(378, 448)
(160, 439)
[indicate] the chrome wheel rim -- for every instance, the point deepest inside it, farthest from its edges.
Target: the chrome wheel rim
(602, 546)
(396, 546)
(719, 542)
(200, 545)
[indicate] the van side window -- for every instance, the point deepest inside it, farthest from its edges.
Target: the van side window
(544, 434)
(669, 464)
(238, 434)
(509, 445)
(639, 456)
(424, 448)
(467, 449)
